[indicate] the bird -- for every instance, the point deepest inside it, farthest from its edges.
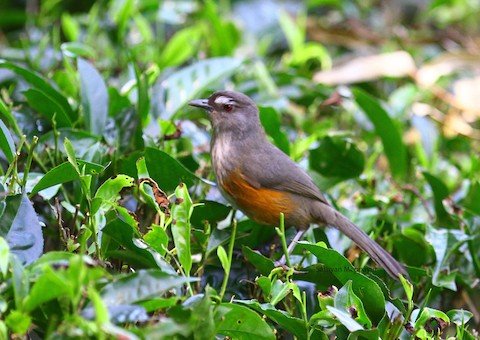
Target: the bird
(262, 181)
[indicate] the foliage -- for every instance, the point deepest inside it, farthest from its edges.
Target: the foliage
(111, 224)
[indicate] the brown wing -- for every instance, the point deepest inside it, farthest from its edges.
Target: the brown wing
(277, 171)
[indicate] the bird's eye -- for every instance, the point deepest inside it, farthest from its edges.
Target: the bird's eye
(228, 107)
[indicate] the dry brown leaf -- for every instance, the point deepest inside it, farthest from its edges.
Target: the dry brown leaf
(395, 64)
(161, 197)
(467, 94)
(430, 72)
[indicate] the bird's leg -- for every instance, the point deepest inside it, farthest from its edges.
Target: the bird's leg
(291, 246)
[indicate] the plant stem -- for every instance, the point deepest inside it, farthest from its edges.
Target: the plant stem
(230, 255)
(31, 150)
(281, 232)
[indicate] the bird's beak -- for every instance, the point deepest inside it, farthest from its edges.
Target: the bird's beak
(201, 103)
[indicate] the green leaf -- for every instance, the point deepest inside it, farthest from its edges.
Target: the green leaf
(18, 322)
(472, 200)
(64, 173)
(181, 46)
(6, 142)
(6, 114)
(120, 12)
(157, 238)
(293, 32)
(210, 211)
(239, 322)
(49, 285)
(41, 84)
(426, 314)
(21, 229)
(70, 151)
(368, 334)
(222, 35)
(337, 157)
(279, 291)
(348, 302)
(222, 255)
(20, 281)
(109, 192)
(142, 285)
(101, 311)
(181, 228)
(186, 84)
(407, 287)
(345, 319)
(94, 97)
(270, 120)
(440, 192)
(4, 256)
(77, 49)
(459, 316)
(444, 242)
(143, 100)
(412, 246)
(365, 288)
(131, 248)
(385, 128)
(70, 27)
(48, 107)
(263, 264)
(290, 323)
(166, 170)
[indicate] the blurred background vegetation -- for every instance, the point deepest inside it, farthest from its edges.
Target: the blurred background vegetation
(379, 100)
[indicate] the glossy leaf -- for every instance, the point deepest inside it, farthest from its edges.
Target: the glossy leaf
(365, 288)
(263, 264)
(181, 227)
(209, 211)
(4, 256)
(345, 319)
(109, 192)
(21, 229)
(64, 173)
(166, 170)
(48, 107)
(186, 84)
(6, 142)
(140, 286)
(346, 301)
(440, 192)
(180, 47)
(94, 97)
(337, 157)
(459, 316)
(222, 256)
(48, 286)
(388, 132)
(271, 122)
(42, 85)
(133, 250)
(77, 49)
(444, 243)
(157, 238)
(290, 323)
(239, 322)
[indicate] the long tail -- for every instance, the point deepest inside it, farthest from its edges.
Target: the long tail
(376, 252)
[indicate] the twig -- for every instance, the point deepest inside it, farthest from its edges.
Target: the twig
(230, 255)
(281, 232)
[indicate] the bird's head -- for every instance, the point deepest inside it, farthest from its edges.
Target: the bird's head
(230, 111)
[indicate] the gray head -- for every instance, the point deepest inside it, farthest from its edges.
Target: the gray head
(230, 111)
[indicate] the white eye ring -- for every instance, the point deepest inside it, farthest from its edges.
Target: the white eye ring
(222, 100)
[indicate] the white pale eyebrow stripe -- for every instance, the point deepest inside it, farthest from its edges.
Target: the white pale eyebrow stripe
(223, 100)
